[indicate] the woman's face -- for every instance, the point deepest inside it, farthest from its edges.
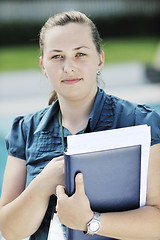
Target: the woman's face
(70, 61)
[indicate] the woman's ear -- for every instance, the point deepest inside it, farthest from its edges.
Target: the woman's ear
(42, 66)
(101, 61)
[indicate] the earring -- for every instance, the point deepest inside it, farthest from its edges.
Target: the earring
(98, 72)
(45, 74)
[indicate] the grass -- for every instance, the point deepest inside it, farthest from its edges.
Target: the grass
(19, 58)
(126, 50)
(116, 50)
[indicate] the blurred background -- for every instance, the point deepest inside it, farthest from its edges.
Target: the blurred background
(131, 41)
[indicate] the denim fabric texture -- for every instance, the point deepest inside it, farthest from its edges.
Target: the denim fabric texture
(36, 138)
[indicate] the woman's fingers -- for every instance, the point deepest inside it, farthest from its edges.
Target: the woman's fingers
(79, 184)
(59, 158)
(60, 191)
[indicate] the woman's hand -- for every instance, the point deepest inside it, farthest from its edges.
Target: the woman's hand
(74, 212)
(23, 209)
(51, 176)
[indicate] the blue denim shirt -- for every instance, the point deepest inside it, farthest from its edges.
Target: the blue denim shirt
(36, 138)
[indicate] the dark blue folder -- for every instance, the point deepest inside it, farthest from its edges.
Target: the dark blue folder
(111, 180)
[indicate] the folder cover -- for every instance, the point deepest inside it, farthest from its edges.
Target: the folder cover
(114, 164)
(111, 180)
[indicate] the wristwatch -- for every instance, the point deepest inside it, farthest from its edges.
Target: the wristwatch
(93, 225)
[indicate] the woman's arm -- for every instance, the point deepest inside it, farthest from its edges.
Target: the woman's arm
(22, 210)
(142, 223)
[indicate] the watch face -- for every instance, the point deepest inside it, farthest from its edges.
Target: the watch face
(94, 226)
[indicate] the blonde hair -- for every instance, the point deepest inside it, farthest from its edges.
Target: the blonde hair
(62, 19)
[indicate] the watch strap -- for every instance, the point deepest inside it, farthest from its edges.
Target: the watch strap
(96, 218)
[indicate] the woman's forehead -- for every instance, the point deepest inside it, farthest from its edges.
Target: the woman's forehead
(72, 34)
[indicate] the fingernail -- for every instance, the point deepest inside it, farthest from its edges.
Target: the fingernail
(80, 176)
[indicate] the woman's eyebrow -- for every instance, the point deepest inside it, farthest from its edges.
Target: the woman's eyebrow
(78, 48)
(55, 50)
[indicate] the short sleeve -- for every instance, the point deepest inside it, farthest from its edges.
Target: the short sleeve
(146, 115)
(15, 140)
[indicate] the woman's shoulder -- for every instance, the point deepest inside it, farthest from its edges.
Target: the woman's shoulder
(127, 113)
(32, 118)
(123, 107)
(31, 122)
(119, 106)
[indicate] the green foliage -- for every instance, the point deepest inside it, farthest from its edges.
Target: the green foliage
(126, 50)
(19, 58)
(116, 50)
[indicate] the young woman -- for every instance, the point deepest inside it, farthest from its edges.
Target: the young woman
(71, 59)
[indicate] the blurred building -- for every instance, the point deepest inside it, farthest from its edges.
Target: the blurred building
(39, 10)
(113, 17)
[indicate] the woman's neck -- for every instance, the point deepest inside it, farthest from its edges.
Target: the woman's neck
(75, 114)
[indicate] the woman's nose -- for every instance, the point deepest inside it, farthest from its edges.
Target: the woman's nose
(69, 66)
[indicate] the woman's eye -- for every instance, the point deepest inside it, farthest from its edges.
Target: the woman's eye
(56, 57)
(80, 54)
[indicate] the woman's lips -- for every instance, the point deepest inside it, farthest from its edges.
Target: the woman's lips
(71, 80)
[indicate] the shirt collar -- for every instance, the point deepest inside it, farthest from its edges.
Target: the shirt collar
(46, 123)
(97, 108)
